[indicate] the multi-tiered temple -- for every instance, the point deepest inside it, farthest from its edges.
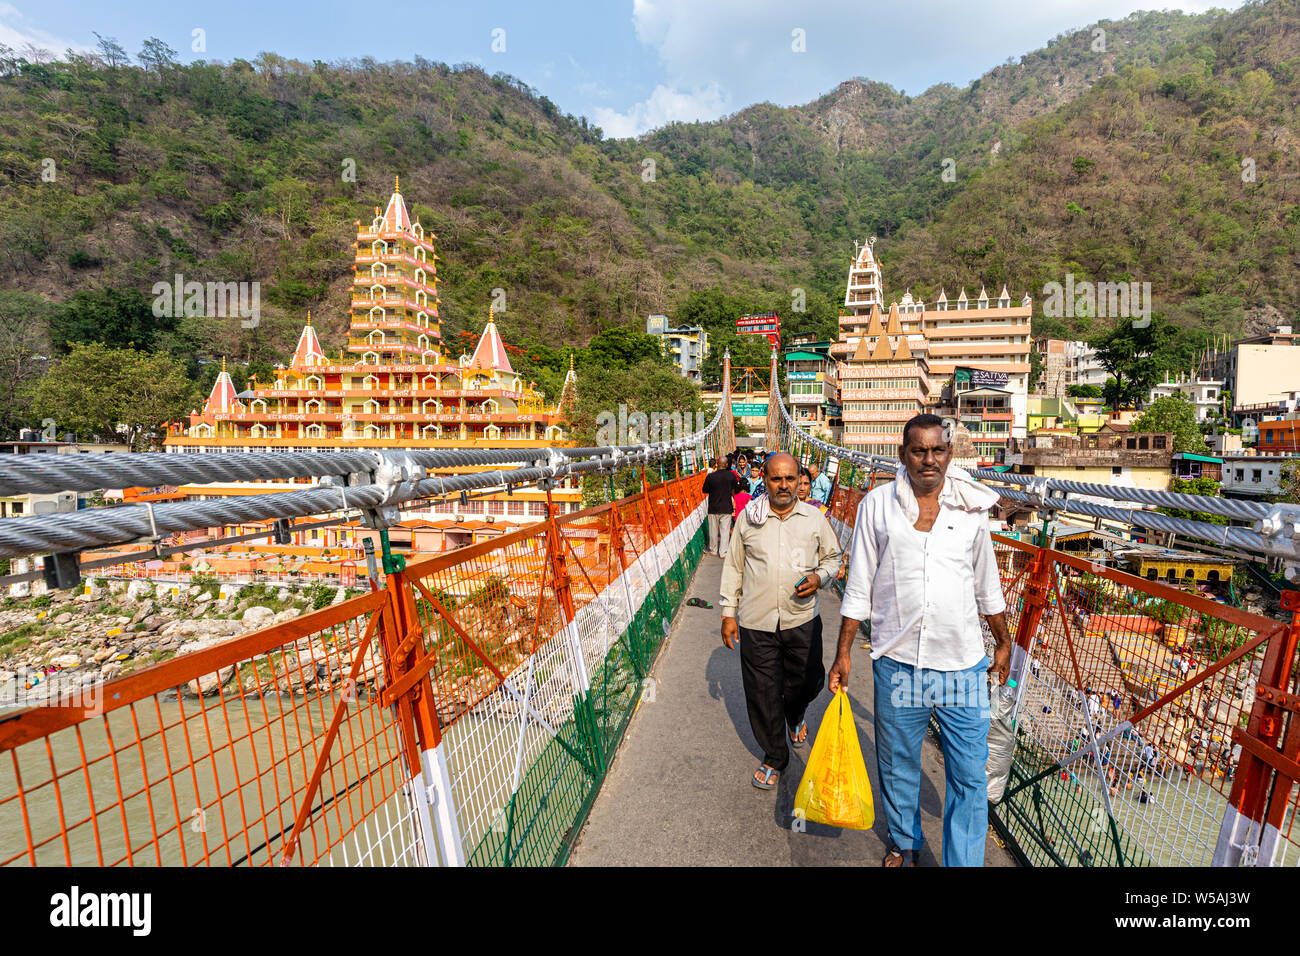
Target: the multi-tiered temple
(971, 354)
(394, 386)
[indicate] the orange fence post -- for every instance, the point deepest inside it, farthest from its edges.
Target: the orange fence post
(1037, 587)
(1266, 778)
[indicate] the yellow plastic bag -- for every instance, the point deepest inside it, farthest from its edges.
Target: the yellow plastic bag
(835, 789)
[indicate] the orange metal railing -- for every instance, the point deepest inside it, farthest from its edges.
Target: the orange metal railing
(1149, 718)
(463, 713)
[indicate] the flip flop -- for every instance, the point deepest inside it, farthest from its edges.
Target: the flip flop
(768, 773)
(793, 732)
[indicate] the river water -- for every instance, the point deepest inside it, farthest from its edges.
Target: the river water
(195, 769)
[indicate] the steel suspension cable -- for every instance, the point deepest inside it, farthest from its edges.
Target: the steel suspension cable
(1275, 530)
(105, 526)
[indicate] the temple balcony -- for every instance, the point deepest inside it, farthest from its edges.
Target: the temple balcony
(366, 257)
(446, 394)
(365, 280)
(453, 416)
(365, 322)
(365, 237)
(394, 301)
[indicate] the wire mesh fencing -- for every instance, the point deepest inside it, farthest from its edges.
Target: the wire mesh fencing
(208, 758)
(464, 713)
(1135, 706)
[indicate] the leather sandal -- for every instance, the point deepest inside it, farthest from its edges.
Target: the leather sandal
(897, 857)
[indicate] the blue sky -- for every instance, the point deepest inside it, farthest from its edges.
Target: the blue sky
(628, 65)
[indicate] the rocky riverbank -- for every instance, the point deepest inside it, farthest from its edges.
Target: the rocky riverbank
(65, 640)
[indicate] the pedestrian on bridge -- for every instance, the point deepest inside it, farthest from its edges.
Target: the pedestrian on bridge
(821, 484)
(923, 572)
(720, 486)
(782, 551)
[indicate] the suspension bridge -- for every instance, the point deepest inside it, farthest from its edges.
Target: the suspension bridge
(547, 697)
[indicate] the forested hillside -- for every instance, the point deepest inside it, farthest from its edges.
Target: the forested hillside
(117, 172)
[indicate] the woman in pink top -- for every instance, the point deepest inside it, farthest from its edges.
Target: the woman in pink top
(741, 499)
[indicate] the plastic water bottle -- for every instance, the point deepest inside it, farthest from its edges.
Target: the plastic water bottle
(1007, 692)
(1002, 738)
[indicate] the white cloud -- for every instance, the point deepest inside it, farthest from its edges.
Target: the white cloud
(17, 32)
(664, 106)
(719, 56)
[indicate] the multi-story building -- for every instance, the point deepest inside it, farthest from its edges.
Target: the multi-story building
(1256, 476)
(812, 384)
(882, 385)
(1258, 372)
(392, 388)
(1066, 362)
(1086, 368)
(985, 410)
(990, 335)
(687, 345)
(984, 334)
(1057, 372)
(1205, 394)
(54, 502)
(1279, 436)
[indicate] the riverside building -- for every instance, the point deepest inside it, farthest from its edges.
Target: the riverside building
(990, 336)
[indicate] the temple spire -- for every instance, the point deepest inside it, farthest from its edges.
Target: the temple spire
(490, 353)
(569, 391)
(396, 217)
(309, 351)
(222, 396)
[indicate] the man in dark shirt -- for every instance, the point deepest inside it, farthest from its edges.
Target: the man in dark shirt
(720, 485)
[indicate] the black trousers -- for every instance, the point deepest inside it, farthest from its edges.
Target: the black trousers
(783, 673)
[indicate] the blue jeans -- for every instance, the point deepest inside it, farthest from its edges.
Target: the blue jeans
(904, 699)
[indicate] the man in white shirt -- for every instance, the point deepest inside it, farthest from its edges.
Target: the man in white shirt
(922, 571)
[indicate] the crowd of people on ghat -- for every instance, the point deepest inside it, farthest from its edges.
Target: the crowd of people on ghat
(920, 571)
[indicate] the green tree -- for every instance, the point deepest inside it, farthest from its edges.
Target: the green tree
(112, 395)
(1083, 391)
(1175, 415)
(120, 318)
(1289, 481)
(1129, 351)
(24, 356)
(156, 56)
(651, 388)
(623, 348)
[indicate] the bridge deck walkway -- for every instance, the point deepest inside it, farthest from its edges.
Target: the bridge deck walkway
(678, 793)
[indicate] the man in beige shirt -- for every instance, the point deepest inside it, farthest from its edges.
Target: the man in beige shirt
(782, 550)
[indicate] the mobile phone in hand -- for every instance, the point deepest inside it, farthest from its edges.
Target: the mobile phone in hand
(802, 581)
